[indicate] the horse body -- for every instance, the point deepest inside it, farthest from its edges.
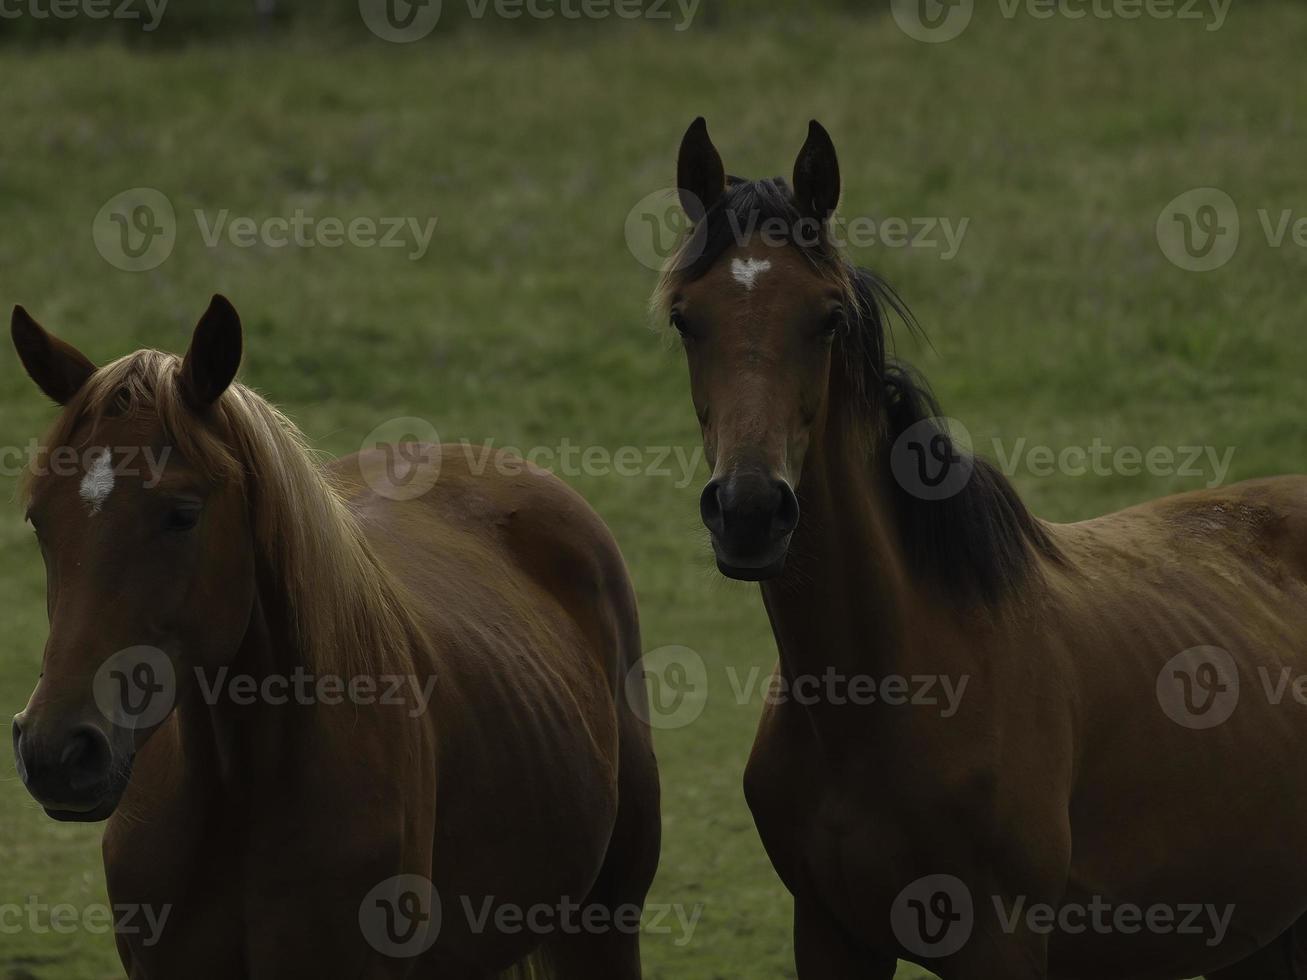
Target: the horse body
(532, 628)
(1116, 785)
(534, 632)
(462, 711)
(1059, 780)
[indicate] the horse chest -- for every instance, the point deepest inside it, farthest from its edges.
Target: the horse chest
(818, 826)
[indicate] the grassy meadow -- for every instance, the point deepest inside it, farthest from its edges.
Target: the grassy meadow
(1060, 320)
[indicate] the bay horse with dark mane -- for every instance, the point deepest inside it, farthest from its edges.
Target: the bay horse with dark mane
(382, 719)
(1119, 793)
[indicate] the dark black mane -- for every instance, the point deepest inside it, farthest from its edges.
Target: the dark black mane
(976, 544)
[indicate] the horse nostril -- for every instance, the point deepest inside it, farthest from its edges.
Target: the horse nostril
(710, 507)
(749, 507)
(787, 511)
(86, 758)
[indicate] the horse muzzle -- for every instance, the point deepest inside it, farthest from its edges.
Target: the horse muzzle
(751, 517)
(70, 772)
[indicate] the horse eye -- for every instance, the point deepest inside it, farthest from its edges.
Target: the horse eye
(835, 323)
(182, 518)
(679, 324)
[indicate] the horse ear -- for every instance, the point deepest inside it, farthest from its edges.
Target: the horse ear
(700, 176)
(214, 356)
(817, 174)
(59, 369)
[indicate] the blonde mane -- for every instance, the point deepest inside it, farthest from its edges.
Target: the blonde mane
(349, 614)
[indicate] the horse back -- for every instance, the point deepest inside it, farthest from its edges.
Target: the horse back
(496, 536)
(1258, 523)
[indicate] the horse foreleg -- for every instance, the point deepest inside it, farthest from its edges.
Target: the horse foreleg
(1019, 956)
(613, 952)
(823, 951)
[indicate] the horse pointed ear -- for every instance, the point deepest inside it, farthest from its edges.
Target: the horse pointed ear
(58, 368)
(214, 355)
(817, 175)
(700, 176)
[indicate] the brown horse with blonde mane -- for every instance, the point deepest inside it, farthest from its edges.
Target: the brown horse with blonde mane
(1119, 790)
(337, 729)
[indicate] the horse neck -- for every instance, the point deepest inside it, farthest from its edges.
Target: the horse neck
(846, 599)
(232, 745)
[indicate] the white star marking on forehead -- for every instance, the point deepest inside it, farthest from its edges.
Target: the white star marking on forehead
(747, 273)
(97, 484)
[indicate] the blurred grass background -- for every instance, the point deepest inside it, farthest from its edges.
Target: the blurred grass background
(1060, 320)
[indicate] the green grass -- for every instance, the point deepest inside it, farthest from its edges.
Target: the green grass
(1059, 321)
